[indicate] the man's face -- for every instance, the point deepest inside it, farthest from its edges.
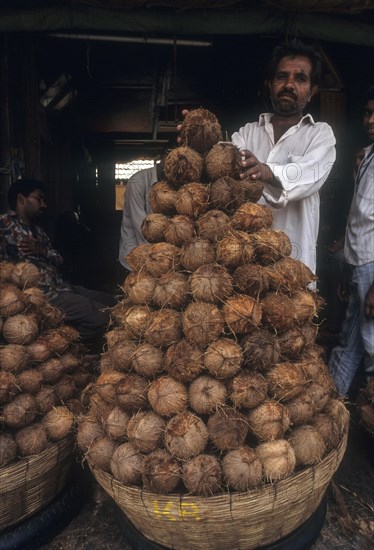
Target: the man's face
(34, 204)
(369, 119)
(291, 88)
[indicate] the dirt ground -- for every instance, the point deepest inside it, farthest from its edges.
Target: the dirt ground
(349, 522)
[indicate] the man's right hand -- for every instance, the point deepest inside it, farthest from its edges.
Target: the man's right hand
(179, 127)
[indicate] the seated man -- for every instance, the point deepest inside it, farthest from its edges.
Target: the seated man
(24, 240)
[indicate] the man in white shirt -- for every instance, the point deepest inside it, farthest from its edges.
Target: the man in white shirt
(357, 336)
(289, 152)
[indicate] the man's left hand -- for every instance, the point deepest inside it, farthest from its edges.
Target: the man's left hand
(369, 302)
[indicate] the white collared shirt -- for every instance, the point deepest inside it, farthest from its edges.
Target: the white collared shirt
(301, 161)
(359, 238)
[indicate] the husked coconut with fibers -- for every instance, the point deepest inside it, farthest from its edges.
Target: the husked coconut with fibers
(202, 475)
(132, 392)
(304, 306)
(179, 230)
(138, 256)
(162, 258)
(192, 199)
(251, 217)
(271, 245)
(197, 253)
(286, 381)
(290, 274)
(135, 321)
(300, 409)
(207, 394)
(8, 386)
(252, 279)
(186, 435)
(31, 440)
(11, 302)
(242, 313)
(278, 311)
(20, 412)
(248, 389)
(58, 423)
(308, 445)
(234, 249)
(115, 424)
(14, 358)
(212, 225)
(89, 429)
(171, 290)
(161, 472)
(227, 429)
(162, 198)
(223, 358)
(165, 328)
(145, 430)
(277, 458)
(8, 449)
(183, 361)
(20, 329)
(260, 349)
(269, 421)
(126, 464)
(328, 429)
(100, 453)
(242, 469)
(139, 287)
(183, 165)
(211, 283)
(25, 275)
(147, 360)
(167, 396)
(200, 130)
(202, 323)
(223, 159)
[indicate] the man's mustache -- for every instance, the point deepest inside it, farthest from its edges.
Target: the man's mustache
(287, 94)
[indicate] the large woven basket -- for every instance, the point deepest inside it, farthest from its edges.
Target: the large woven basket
(233, 520)
(30, 484)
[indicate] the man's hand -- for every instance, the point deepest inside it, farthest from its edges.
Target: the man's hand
(254, 169)
(179, 127)
(31, 246)
(369, 302)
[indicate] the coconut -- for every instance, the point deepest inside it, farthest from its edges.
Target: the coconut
(319, 396)
(192, 200)
(98, 408)
(100, 453)
(51, 370)
(212, 225)
(271, 245)
(114, 336)
(186, 435)
(183, 361)
(57, 341)
(135, 321)
(300, 409)
(196, 253)
(6, 270)
(20, 329)
(223, 159)
(76, 408)
(248, 389)
(289, 274)
(58, 422)
(223, 358)
(227, 429)
(246, 191)
(304, 305)
(234, 249)
(69, 332)
(328, 429)
(269, 421)
(202, 475)
(339, 413)
(242, 469)
(200, 130)
(148, 360)
(65, 388)
(89, 429)
(20, 412)
(30, 381)
(162, 258)
(222, 194)
(313, 351)
(251, 217)
(278, 311)
(202, 323)
(138, 256)
(145, 431)
(260, 349)
(167, 396)
(308, 445)
(171, 290)
(131, 392)
(8, 449)
(183, 165)
(127, 464)
(14, 358)
(119, 357)
(277, 458)
(179, 230)
(165, 328)
(115, 424)
(31, 440)
(252, 279)
(286, 381)
(45, 399)
(34, 297)
(70, 361)
(211, 283)
(153, 227)
(51, 316)
(139, 287)
(8, 386)
(242, 313)
(206, 394)
(292, 343)
(11, 302)
(162, 198)
(25, 275)
(161, 472)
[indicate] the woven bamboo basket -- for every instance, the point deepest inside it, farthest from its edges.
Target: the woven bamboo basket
(233, 520)
(30, 484)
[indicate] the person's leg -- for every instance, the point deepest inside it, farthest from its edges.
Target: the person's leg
(96, 295)
(90, 318)
(346, 356)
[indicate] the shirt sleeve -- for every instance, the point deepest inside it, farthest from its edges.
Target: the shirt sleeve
(303, 175)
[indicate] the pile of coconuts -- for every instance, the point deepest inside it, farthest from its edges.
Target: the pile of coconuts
(211, 379)
(43, 367)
